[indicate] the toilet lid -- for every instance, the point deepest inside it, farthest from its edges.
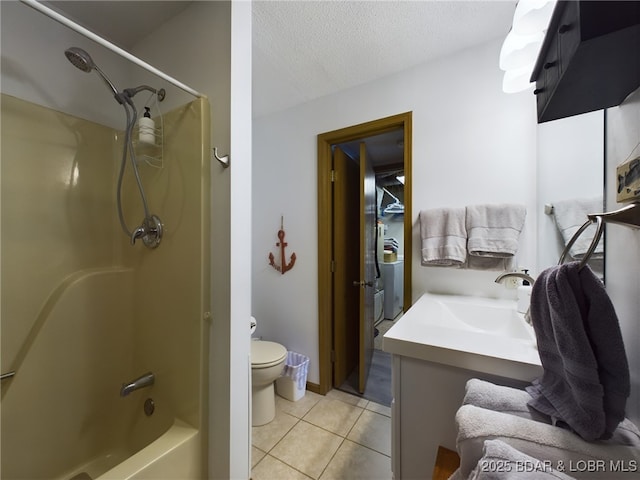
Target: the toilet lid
(265, 353)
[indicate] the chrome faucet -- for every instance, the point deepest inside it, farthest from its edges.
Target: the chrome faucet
(150, 232)
(145, 380)
(523, 276)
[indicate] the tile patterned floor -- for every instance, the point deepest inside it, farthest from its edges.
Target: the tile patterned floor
(332, 437)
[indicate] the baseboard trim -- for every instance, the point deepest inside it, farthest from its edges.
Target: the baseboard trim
(313, 387)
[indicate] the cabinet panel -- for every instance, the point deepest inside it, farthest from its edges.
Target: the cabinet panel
(589, 58)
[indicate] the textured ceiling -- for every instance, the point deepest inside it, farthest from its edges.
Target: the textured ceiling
(304, 50)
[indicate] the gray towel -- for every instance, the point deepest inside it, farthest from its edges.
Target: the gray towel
(444, 237)
(500, 399)
(540, 440)
(493, 231)
(570, 215)
(585, 382)
(501, 461)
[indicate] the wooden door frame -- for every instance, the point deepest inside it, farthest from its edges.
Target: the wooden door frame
(325, 227)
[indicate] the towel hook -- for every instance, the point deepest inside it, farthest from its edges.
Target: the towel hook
(594, 243)
(223, 160)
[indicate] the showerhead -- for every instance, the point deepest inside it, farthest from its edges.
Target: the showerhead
(80, 59)
(83, 61)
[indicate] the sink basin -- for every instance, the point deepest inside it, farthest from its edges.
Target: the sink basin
(492, 317)
(474, 333)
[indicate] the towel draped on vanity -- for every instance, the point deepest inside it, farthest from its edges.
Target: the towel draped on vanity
(586, 382)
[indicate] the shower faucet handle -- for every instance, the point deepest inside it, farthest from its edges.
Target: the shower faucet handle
(150, 232)
(138, 233)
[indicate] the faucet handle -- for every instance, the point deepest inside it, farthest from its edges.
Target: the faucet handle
(139, 232)
(150, 231)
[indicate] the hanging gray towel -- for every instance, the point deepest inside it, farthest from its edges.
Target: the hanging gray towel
(585, 383)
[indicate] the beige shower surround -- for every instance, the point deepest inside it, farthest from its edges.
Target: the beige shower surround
(82, 311)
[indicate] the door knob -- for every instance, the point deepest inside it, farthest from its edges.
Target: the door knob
(362, 283)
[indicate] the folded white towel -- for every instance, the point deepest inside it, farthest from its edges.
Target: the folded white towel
(444, 237)
(501, 461)
(493, 232)
(498, 398)
(545, 442)
(570, 215)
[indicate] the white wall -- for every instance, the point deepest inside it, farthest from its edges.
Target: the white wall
(623, 244)
(471, 144)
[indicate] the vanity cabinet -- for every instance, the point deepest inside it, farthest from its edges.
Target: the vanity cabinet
(433, 355)
(426, 397)
(589, 59)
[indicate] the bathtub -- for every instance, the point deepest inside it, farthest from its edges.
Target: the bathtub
(62, 414)
(155, 447)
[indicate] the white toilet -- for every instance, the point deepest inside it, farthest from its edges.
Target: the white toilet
(267, 362)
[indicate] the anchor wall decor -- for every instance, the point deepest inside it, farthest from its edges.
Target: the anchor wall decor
(284, 266)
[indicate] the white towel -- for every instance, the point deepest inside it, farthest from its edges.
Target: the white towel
(444, 237)
(500, 461)
(498, 398)
(570, 215)
(493, 231)
(539, 440)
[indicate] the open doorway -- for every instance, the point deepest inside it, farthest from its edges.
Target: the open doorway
(385, 146)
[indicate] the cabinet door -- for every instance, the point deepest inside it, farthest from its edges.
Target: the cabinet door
(568, 36)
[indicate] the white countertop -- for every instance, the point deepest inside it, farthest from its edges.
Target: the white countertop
(424, 332)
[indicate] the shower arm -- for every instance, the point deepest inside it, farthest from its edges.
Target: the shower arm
(131, 92)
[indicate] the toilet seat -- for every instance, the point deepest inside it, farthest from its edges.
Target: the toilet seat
(266, 354)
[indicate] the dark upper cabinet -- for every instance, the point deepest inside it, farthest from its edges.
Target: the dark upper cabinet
(590, 58)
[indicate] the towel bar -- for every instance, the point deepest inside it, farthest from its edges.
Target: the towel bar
(628, 216)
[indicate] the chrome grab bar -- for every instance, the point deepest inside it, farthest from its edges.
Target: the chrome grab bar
(6, 376)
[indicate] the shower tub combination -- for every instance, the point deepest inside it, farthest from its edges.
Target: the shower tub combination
(107, 338)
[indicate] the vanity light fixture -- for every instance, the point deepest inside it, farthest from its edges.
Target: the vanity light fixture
(532, 16)
(522, 45)
(520, 51)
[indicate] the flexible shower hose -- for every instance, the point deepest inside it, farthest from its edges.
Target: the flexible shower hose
(128, 147)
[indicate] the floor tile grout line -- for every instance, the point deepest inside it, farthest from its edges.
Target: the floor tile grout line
(361, 444)
(343, 437)
(284, 463)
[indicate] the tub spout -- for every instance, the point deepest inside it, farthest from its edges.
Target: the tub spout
(145, 380)
(523, 276)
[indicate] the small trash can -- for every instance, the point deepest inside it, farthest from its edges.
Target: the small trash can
(293, 382)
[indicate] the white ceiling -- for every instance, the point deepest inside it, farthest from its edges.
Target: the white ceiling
(304, 50)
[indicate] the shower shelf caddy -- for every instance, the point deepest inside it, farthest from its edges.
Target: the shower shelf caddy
(150, 153)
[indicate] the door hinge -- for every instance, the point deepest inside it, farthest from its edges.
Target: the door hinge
(333, 356)
(333, 266)
(333, 176)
